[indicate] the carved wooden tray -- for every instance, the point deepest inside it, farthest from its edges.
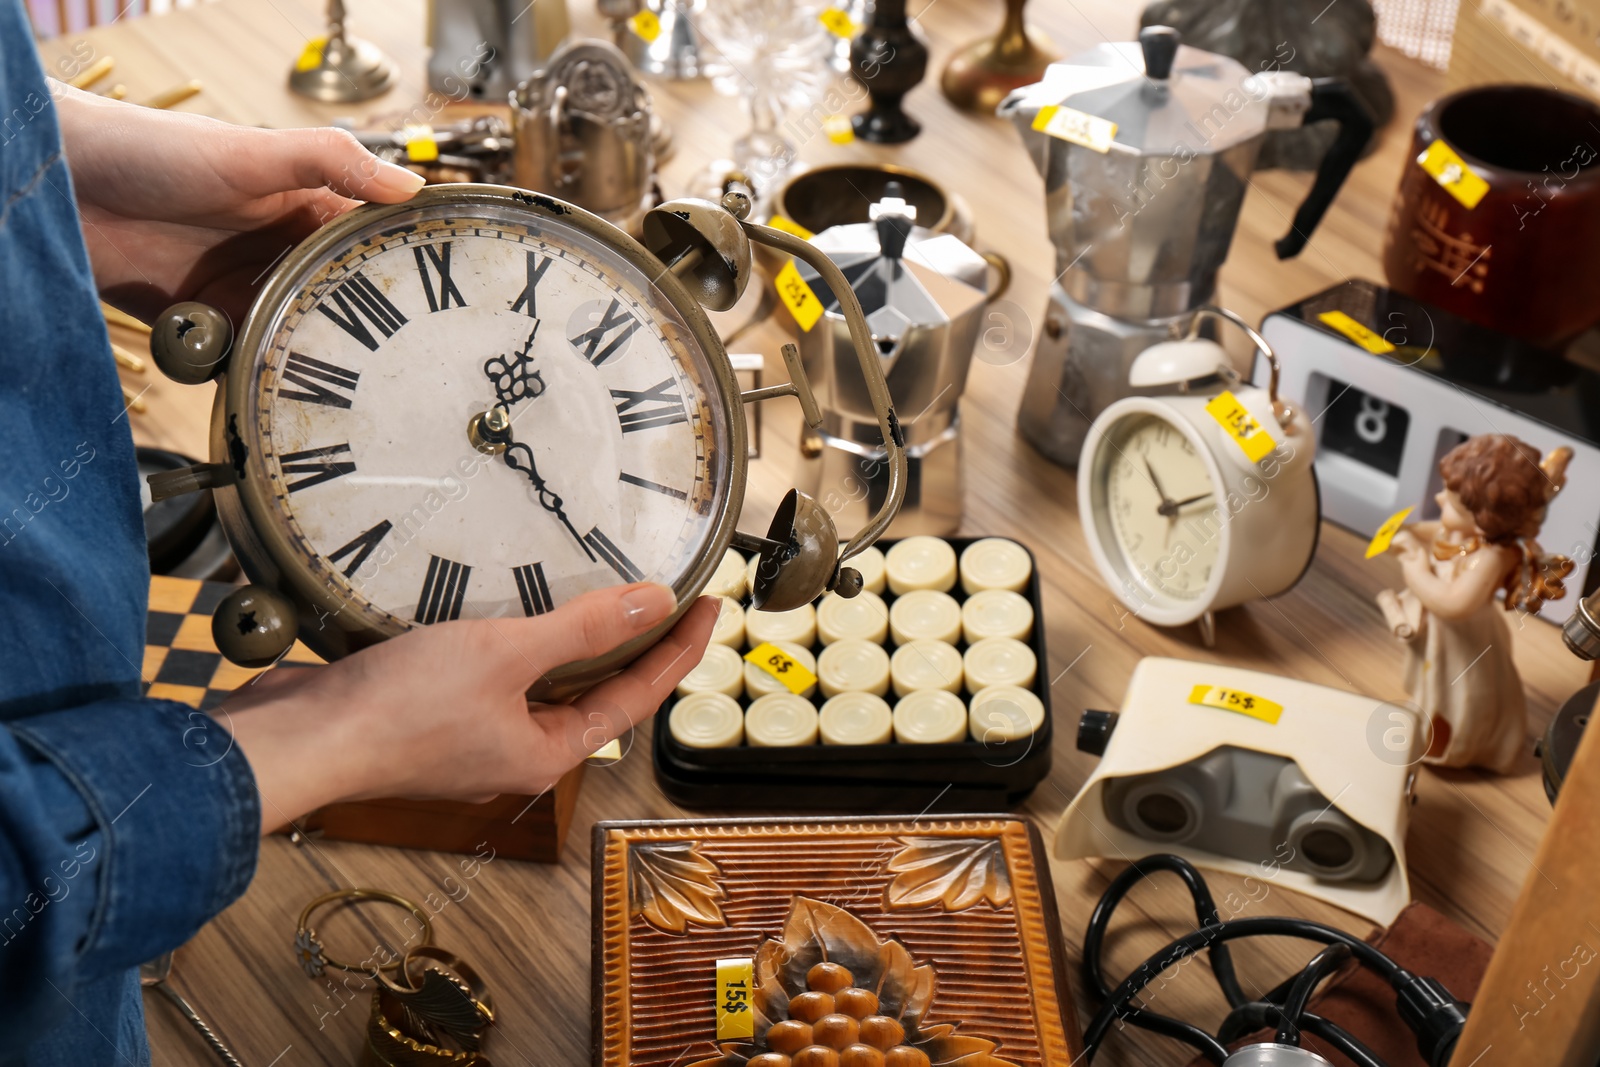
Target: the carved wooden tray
(951, 922)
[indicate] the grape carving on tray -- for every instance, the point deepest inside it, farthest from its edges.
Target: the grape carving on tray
(882, 942)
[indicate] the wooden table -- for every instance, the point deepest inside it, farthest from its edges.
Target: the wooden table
(526, 926)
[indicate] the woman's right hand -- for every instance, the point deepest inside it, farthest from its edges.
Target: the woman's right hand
(440, 712)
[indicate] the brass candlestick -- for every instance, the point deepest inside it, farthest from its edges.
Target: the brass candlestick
(341, 69)
(979, 76)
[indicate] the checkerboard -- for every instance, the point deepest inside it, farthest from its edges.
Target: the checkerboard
(181, 662)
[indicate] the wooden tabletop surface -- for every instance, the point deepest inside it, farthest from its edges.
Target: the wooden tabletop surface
(526, 926)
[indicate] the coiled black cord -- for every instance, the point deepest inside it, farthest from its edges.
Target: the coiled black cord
(1436, 1023)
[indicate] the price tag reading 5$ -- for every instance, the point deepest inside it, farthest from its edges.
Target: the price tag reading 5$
(1453, 174)
(1385, 535)
(782, 666)
(1240, 425)
(798, 297)
(1216, 696)
(735, 980)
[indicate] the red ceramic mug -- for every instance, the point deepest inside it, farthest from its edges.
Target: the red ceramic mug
(1525, 257)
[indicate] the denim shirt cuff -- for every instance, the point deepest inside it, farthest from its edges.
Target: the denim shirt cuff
(176, 806)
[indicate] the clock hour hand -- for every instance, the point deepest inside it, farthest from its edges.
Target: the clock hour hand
(513, 376)
(1162, 493)
(1190, 500)
(519, 457)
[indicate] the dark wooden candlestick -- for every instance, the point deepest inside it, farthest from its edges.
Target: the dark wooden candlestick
(889, 58)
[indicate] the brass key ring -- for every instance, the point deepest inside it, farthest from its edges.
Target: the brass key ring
(308, 947)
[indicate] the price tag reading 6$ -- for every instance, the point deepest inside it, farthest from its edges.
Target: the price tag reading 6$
(782, 666)
(1216, 696)
(798, 297)
(1240, 425)
(735, 980)
(1453, 174)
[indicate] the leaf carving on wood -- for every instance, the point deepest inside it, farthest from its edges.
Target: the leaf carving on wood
(671, 885)
(956, 872)
(816, 931)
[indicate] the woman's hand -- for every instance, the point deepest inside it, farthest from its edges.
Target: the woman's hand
(182, 207)
(440, 712)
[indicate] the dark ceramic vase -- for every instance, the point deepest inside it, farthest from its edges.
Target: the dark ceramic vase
(889, 59)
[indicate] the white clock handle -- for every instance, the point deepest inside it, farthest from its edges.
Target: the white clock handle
(1283, 411)
(871, 369)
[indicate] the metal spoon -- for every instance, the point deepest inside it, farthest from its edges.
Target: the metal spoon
(153, 975)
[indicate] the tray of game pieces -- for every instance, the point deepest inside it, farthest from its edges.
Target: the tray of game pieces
(929, 690)
(896, 941)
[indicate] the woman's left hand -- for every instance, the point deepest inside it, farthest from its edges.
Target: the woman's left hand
(181, 207)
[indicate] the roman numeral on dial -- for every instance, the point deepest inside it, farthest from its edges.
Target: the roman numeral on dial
(435, 260)
(309, 374)
(537, 265)
(658, 405)
(362, 306)
(444, 588)
(657, 487)
(317, 464)
(533, 589)
(601, 545)
(615, 327)
(362, 545)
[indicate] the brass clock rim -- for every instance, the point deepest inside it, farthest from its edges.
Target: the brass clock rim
(284, 570)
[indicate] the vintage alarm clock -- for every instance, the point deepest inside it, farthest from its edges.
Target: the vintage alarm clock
(1202, 498)
(484, 402)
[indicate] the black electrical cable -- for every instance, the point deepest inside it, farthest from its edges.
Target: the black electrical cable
(1321, 966)
(1425, 1006)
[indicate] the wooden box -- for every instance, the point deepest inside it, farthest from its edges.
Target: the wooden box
(950, 921)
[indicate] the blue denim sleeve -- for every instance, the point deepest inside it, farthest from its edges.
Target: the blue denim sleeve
(124, 826)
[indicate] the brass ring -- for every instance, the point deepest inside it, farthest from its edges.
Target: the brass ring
(308, 947)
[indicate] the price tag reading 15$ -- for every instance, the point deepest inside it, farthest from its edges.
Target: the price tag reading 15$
(1240, 425)
(782, 666)
(735, 981)
(1216, 696)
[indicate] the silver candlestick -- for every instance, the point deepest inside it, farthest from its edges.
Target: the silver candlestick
(344, 69)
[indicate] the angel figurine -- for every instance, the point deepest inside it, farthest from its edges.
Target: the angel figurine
(1459, 668)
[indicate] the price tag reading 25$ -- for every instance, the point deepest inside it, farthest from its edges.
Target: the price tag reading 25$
(798, 297)
(1242, 703)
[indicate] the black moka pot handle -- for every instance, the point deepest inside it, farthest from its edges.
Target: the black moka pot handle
(1331, 98)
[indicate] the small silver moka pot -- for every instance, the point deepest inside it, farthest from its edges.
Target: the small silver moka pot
(483, 49)
(583, 133)
(923, 294)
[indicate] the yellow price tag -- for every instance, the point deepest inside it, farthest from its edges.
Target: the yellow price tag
(311, 55)
(1240, 425)
(798, 297)
(420, 144)
(1078, 127)
(1453, 174)
(1372, 342)
(609, 752)
(1385, 535)
(839, 129)
(782, 666)
(646, 24)
(1216, 696)
(839, 22)
(736, 980)
(778, 222)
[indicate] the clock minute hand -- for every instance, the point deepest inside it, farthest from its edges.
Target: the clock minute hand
(548, 499)
(1191, 500)
(1165, 501)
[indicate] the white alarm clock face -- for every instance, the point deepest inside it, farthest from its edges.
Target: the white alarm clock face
(1155, 485)
(382, 351)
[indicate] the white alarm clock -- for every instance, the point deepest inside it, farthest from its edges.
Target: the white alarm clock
(1204, 496)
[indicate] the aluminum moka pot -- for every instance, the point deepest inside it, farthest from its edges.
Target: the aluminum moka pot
(1146, 151)
(923, 294)
(583, 133)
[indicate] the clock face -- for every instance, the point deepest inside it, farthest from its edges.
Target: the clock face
(1160, 506)
(388, 349)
